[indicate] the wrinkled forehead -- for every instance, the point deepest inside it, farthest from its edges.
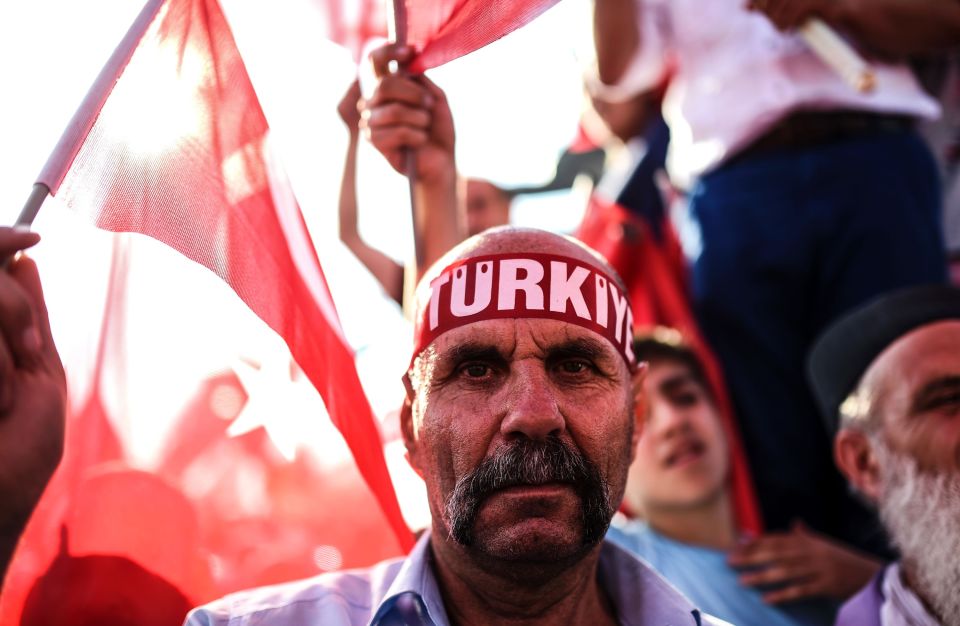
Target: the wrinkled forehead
(930, 350)
(533, 286)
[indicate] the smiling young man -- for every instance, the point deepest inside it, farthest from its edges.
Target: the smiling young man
(678, 486)
(888, 374)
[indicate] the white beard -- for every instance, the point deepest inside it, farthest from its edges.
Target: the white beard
(921, 511)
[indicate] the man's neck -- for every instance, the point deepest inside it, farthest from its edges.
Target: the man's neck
(708, 524)
(516, 593)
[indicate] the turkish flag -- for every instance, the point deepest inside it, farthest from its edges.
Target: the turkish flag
(171, 142)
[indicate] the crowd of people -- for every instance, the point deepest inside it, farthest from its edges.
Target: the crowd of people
(577, 468)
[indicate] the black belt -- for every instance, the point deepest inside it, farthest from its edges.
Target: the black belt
(807, 129)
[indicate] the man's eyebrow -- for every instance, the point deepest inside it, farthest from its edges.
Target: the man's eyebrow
(582, 347)
(928, 395)
(677, 381)
(472, 351)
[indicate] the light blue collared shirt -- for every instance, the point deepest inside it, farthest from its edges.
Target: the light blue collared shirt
(404, 591)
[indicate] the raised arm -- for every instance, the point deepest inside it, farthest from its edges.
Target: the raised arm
(32, 393)
(891, 28)
(616, 35)
(387, 271)
(411, 113)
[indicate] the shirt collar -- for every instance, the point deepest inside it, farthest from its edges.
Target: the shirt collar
(640, 595)
(901, 604)
(416, 576)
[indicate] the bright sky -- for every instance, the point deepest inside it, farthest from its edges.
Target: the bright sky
(515, 104)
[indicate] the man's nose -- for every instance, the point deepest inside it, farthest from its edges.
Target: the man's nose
(667, 421)
(533, 409)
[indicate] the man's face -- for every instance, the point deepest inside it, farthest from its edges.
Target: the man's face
(916, 388)
(560, 394)
(917, 382)
(487, 206)
(682, 457)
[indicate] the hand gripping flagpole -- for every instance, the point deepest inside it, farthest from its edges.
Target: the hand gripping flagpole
(397, 26)
(28, 213)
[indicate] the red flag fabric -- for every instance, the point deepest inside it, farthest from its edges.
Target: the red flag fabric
(352, 24)
(171, 142)
(444, 30)
(219, 510)
(655, 274)
(265, 518)
(90, 441)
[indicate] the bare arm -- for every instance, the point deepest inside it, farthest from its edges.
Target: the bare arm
(901, 28)
(889, 28)
(387, 271)
(32, 394)
(616, 34)
(411, 113)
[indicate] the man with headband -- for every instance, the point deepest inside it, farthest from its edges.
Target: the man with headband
(520, 416)
(889, 372)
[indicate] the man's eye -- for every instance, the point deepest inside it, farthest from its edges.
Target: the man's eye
(949, 401)
(574, 366)
(475, 370)
(685, 399)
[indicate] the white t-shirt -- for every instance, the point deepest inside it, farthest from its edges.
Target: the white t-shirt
(735, 76)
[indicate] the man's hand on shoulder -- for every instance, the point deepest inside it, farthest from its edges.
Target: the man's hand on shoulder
(802, 564)
(32, 392)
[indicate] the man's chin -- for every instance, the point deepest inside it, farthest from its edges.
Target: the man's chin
(533, 540)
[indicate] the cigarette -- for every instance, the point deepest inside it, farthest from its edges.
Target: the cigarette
(838, 54)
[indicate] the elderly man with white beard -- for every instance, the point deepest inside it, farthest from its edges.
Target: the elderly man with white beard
(890, 372)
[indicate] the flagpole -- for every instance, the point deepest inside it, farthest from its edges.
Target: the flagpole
(27, 214)
(32, 206)
(398, 29)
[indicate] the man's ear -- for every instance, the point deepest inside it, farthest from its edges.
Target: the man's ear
(640, 406)
(857, 460)
(407, 429)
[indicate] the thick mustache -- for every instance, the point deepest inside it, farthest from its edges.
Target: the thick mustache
(527, 462)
